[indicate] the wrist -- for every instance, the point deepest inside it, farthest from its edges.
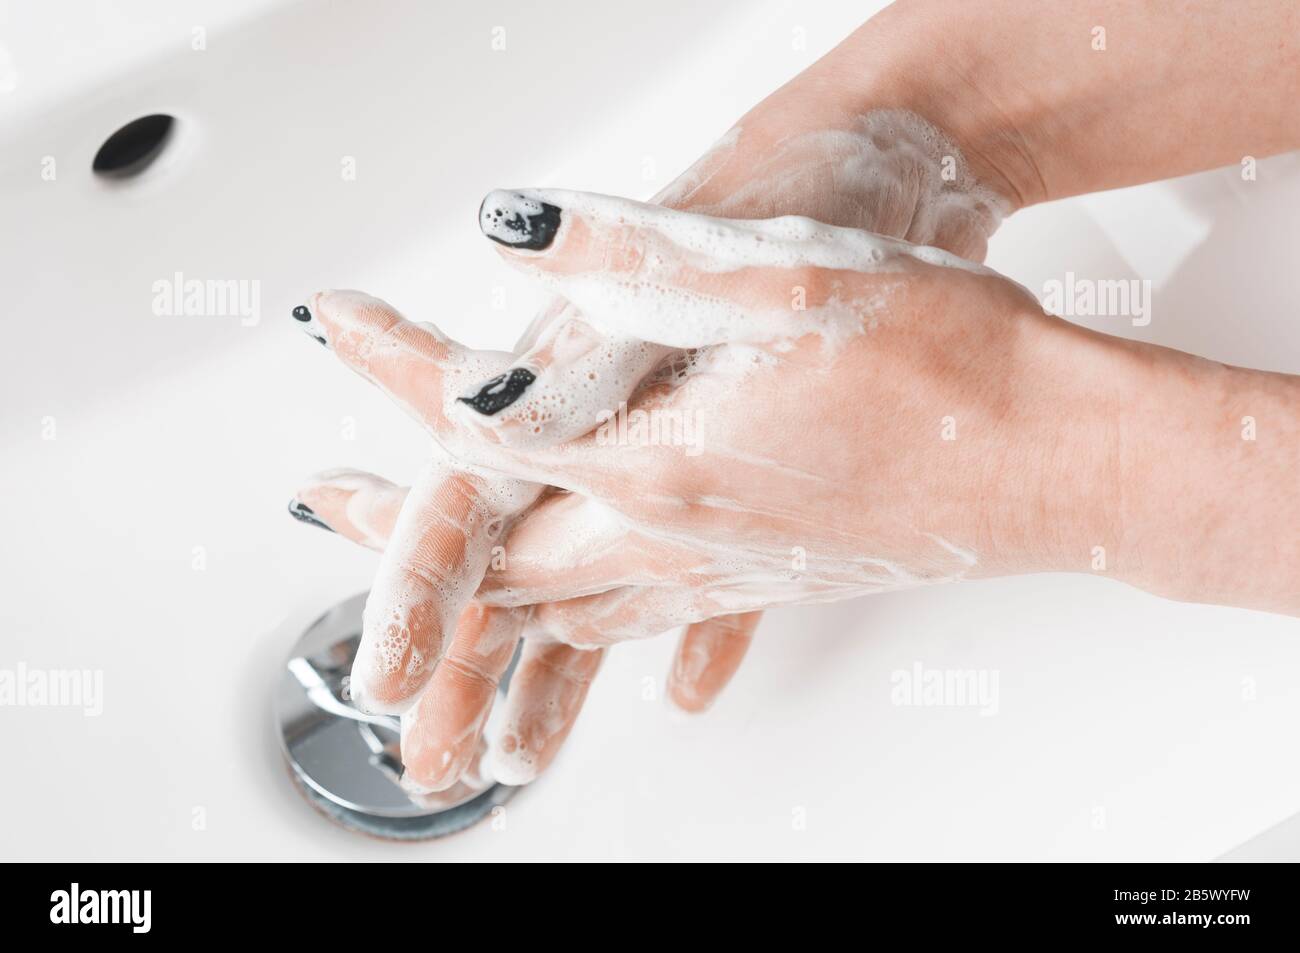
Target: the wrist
(1169, 472)
(1052, 492)
(1210, 458)
(913, 56)
(1045, 98)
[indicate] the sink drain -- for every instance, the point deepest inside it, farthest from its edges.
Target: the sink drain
(347, 762)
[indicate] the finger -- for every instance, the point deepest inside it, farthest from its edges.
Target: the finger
(707, 657)
(442, 733)
(474, 780)
(620, 615)
(570, 546)
(434, 561)
(798, 176)
(573, 376)
(567, 546)
(414, 364)
(357, 505)
(546, 693)
(682, 279)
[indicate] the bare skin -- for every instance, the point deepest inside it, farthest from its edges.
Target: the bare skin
(1067, 440)
(744, 176)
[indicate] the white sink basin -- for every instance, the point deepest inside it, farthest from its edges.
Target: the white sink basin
(148, 538)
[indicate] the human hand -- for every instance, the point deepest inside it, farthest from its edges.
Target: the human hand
(888, 171)
(442, 734)
(781, 314)
(1032, 136)
(601, 579)
(957, 429)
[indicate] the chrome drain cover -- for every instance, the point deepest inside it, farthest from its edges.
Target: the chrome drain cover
(347, 762)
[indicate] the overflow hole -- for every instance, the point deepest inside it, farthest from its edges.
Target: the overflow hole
(134, 147)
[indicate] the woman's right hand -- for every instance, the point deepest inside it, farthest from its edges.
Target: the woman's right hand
(1041, 111)
(840, 347)
(886, 171)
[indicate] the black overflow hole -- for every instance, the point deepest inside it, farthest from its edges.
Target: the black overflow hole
(134, 147)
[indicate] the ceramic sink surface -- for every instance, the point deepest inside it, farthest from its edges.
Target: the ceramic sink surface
(147, 458)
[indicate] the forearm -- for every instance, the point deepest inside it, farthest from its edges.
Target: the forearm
(1042, 113)
(1212, 480)
(1173, 473)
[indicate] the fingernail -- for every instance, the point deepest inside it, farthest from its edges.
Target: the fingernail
(501, 391)
(515, 220)
(310, 325)
(304, 514)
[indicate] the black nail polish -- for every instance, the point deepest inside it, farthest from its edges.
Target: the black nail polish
(301, 313)
(517, 221)
(304, 514)
(501, 391)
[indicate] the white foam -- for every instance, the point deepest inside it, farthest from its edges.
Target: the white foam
(888, 171)
(653, 302)
(856, 172)
(406, 583)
